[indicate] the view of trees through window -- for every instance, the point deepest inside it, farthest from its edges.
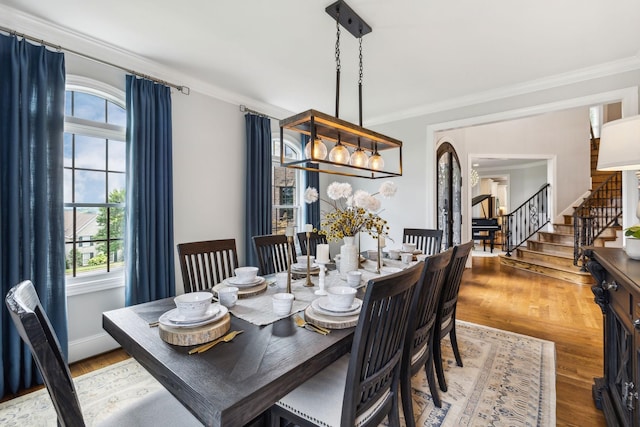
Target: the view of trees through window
(285, 188)
(94, 183)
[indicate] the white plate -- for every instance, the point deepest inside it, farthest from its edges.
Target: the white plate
(175, 316)
(164, 319)
(315, 304)
(390, 270)
(326, 305)
(303, 267)
(233, 281)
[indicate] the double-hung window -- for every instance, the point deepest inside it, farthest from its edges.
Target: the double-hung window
(286, 188)
(94, 185)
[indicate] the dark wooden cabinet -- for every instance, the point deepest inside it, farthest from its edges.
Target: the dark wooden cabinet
(617, 292)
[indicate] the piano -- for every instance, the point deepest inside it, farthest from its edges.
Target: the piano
(484, 229)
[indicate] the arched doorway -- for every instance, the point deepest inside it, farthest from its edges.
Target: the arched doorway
(449, 189)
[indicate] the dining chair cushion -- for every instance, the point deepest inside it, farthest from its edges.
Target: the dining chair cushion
(159, 408)
(319, 400)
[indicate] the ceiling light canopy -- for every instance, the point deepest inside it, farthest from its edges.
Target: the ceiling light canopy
(350, 142)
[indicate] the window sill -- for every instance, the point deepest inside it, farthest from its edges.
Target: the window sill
(94, 283)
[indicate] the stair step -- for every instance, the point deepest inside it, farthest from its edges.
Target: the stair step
(573, 275)
(553, 237)
(543, 257)
(563, 228)
(550, 248)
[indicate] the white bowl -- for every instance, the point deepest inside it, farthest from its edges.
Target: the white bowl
(193, 305)
(341, 297)
(408, 247)
(246, 274)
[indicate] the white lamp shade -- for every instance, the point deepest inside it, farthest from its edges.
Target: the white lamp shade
(620, 145)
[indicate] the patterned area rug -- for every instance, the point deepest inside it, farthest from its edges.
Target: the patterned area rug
(507, 380)
(101, 393)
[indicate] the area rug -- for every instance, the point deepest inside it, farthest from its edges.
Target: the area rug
(507, 380)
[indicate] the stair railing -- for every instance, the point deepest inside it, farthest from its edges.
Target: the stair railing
(600, 210)
(526, 220)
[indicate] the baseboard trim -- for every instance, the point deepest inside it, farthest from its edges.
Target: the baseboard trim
(91, 346)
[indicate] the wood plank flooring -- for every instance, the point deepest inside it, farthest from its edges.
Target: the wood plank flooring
(531, 304)
(519, 301)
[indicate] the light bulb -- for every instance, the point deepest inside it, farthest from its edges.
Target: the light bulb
(339, 154)
(376, 162)
(319, 149)
(359, 158)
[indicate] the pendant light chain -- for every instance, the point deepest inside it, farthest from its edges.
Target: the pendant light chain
(338, 64)
(338, 42)
(360, 77)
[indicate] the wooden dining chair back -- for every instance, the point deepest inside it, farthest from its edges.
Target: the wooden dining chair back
(362, 387)
(447, 309)
(32, 323)
(418, 347)
(207, 263)
(315, 239)
(272, 253)
(428, 241)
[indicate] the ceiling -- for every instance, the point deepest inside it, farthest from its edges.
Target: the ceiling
(422, 55)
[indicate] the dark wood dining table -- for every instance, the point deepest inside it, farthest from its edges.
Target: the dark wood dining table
(233, 383)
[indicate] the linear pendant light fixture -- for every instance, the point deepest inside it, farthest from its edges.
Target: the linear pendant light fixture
(355, 151)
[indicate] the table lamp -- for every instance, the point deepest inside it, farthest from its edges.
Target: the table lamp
(620, 147)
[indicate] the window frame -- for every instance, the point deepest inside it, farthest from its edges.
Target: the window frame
(99, 281)
(300, 181)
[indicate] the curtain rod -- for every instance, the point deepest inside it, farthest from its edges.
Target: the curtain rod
(244, 109)
(183, 89)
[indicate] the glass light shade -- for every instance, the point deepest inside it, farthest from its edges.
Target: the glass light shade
(359, 158)
(319, 149)
(339, 154)
(376, 162)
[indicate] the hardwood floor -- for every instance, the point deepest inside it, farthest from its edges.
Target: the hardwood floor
(519, 301)
(531, 304)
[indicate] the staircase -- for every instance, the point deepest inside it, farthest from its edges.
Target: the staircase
(551, 253)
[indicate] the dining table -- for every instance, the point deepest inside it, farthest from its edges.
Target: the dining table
(236, 382)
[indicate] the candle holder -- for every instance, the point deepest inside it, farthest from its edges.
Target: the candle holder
(308, 283)
(321, 277)
(379, 261)
(290, 260)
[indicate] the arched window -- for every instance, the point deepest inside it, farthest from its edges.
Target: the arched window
(287, 187)
(94, 179)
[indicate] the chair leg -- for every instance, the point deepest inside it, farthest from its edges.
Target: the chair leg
(454, 344)
(435, 395)
(407, 404)
(437, 360)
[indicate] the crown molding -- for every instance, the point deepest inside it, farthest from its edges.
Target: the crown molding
(70, 39)
(584, 74)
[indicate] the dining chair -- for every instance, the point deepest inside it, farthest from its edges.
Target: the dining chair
(447, 309)
(314, 240)
(272, 255)
(361, 388)
(207, 263)
(427, 240)
(32, 323)
(418, 347)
